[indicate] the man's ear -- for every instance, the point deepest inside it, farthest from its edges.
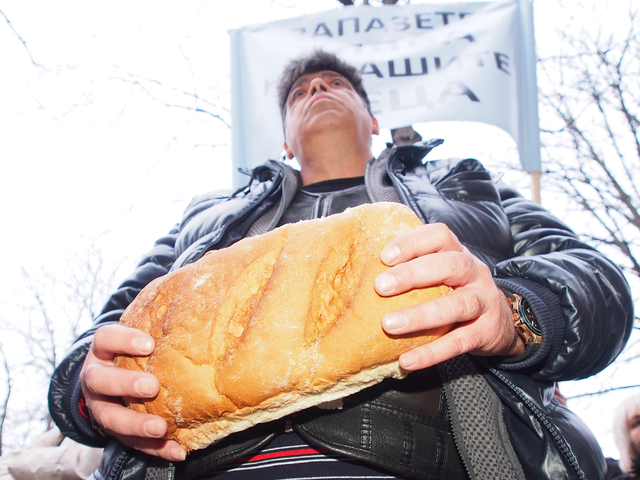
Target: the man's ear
(289, 154)
(375, 129)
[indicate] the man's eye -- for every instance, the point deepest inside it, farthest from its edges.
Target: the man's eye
(296, 94)
(635, 423)
(337, 81)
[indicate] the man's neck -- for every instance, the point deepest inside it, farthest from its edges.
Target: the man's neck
(311, 175)
(330, 163)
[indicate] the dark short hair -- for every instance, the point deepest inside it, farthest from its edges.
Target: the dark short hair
(317, 61)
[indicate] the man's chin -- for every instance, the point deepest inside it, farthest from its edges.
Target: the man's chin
(328, 120)
(321, 101)
(324, 107)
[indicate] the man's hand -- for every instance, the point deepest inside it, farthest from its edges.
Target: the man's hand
(477, 309)
(104, 385)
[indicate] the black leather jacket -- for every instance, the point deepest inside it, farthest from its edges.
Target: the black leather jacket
(581, 300)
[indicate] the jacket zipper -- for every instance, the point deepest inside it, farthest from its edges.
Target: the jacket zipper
(114, 472)
(551, 428)
(402, 189)
(277, 181)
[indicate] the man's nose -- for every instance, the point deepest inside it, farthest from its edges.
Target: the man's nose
(318, 85)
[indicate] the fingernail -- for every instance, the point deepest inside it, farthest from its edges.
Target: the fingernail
(390, 254)
(145, 386)
(394, 321)
(153, 428)
(142, 344)
(386, 283)
(408, 360)
(178, 454)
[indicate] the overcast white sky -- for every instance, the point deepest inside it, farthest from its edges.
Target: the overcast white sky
(90, 153)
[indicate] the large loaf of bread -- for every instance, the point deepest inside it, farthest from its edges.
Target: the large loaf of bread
(274, 324)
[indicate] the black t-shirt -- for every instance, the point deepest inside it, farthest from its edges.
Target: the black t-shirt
(326, 198)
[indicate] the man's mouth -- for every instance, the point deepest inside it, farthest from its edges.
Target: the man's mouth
(319, 98)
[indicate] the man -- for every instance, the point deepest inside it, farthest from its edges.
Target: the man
(480, 401)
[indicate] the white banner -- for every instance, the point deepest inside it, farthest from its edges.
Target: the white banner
(471, 61)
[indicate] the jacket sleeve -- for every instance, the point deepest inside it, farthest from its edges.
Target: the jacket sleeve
(580, 299)
(66, 403)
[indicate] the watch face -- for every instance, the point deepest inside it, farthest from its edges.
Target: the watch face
(527, 316)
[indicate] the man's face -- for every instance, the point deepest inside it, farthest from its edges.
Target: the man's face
(323, 102)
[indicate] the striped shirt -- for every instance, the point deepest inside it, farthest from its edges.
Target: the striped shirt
(288, 457)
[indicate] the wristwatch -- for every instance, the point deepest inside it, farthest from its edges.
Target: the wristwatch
(525, 322)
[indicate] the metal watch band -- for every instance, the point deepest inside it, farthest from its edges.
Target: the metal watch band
(524, 320)
(526, 327)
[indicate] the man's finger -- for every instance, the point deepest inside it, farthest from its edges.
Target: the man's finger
(455, 343)
(423, 240)
(458, 306)
(120, 420)
(112, 381)
(167, 449)
(448, 268)
(118, 339)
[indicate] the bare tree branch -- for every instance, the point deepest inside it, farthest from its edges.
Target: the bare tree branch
(5, 402)
(196, 103)
(600, 392)
(60, 306)
(589, 104)
(24, 44)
